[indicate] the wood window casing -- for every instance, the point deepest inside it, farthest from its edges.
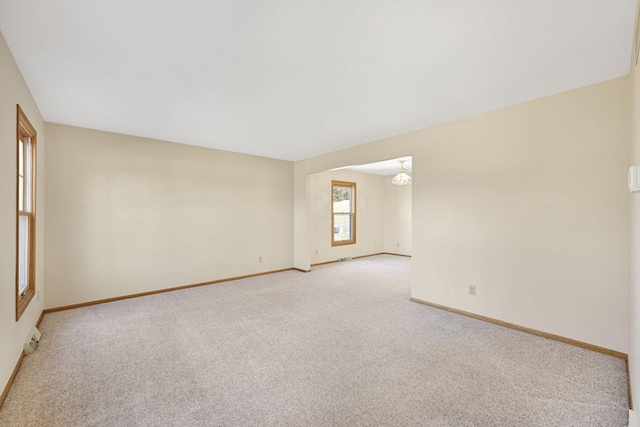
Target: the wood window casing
(350, 213)
(25, 211)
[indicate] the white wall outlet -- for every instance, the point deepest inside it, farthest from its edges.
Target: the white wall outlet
(398, 244)
(259, 259)
(472, 290)
(316, 252)
(633, 179)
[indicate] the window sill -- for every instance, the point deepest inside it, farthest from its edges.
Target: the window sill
(343, 243)
(23, 302)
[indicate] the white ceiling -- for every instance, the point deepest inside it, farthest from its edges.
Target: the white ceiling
(291, 79)
(384, 168)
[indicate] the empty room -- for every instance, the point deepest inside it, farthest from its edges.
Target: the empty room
(281, 213)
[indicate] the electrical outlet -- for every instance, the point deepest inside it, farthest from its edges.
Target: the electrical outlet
(398, 244)
(472, 290)
(259, 259)
(316, 252)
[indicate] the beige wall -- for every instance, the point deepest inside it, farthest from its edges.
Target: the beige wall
(130, 215)
(634, 300)
(528, 203)
(397, 217)
(369, 215)
(14, 91)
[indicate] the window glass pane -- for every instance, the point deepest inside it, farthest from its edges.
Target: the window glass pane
(20, 158)
(23, 250)
(341, 228)
(28, 174)
(20, 193)
(342, 200)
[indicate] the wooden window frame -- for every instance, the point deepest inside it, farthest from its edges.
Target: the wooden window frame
(24, 128)
(351, 241)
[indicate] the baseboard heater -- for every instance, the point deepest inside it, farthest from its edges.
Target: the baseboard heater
(32, 341)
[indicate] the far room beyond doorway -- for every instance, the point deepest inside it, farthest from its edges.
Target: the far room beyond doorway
(357, 211)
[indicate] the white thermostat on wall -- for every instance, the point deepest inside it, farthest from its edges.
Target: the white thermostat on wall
(634, 179)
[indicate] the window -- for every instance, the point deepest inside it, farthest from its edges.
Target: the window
(26, 213)
(343, 213)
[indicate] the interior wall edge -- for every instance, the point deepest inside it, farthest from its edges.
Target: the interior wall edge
(7, 387)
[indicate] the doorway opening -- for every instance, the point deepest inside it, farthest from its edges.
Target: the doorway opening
(356, 211)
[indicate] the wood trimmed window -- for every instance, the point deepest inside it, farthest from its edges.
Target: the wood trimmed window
(26, 213)
(343, 213)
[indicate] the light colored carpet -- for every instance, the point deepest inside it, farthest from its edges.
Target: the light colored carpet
(342, 345)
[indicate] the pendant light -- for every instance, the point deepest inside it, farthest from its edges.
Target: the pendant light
(402, 178)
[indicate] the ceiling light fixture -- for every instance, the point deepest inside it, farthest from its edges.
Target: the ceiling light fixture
(403, 177)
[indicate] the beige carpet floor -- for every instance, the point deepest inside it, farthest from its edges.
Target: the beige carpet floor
(342, 345)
